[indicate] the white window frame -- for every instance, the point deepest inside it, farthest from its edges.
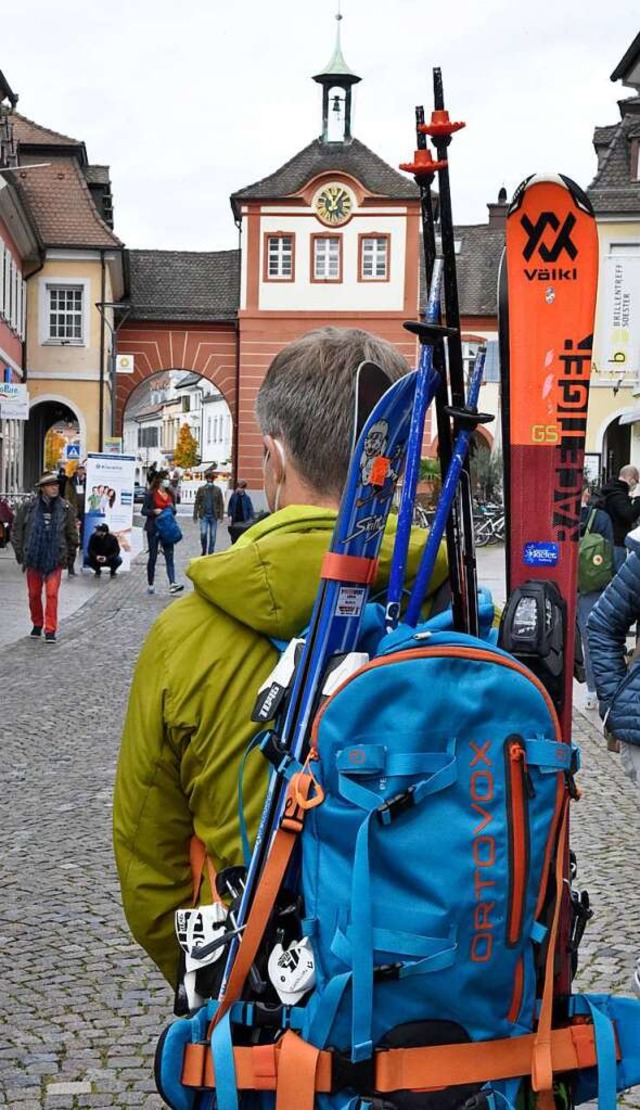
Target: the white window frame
(8, 261)
(282, 256)
(2, 254)
(378, 252)
(46, 286)
(327, 256)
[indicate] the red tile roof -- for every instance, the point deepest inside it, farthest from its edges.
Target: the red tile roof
(61, 204)
(28, 132)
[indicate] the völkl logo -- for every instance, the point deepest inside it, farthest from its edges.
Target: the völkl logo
(549, 252)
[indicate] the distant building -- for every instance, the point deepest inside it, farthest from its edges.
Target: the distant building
(614, 407)
(20, 254)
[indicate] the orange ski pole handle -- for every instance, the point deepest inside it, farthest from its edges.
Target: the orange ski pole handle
(440, 126)
(423, 164)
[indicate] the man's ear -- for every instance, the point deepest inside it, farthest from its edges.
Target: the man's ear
(275, 458)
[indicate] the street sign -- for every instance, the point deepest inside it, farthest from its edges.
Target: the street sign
(124, 364)
(72, 452)
(14, 401)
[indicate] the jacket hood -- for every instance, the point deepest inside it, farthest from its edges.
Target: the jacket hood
(269, 579)
(614, 484)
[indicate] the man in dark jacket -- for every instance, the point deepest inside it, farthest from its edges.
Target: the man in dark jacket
(623, 510)
(45, 538)
(103, 551)
(208, 508)
(239, 511)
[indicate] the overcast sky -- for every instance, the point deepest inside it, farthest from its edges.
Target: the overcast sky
(188, 101)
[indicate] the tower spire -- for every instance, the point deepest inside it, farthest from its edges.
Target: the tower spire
(337, 81)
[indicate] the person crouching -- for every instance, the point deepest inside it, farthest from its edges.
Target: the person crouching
(103, 552)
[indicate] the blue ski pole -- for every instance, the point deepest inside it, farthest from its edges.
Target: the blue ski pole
(427, 384)
(469, 418)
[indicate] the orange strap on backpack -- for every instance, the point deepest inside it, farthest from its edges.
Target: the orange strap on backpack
(267, 891)
(198, 861)
(298, 1071)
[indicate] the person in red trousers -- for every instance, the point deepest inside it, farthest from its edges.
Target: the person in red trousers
(44, 538)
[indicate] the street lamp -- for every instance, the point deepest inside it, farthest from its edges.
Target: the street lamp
(114, 306)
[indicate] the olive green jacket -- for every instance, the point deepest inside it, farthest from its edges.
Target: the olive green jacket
(188, 721)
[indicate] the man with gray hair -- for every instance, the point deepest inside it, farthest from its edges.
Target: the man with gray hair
(623, 509)
(188, 723)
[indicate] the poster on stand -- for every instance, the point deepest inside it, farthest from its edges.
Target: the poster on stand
(109, 500)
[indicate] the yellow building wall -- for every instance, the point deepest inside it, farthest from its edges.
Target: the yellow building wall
(605, 405)
(67, 372)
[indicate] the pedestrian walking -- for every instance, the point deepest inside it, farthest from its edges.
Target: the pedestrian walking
(103, 551)
(593, 521)
(73, 490)
(239, 511)
(189, 717)
(616, 499)
(45, 537)
(159, 499)
(208, 509)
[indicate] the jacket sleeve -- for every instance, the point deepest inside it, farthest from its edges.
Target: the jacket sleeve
(196, 504)
(231, 506)
(603, 526)
(609, 622)
(219, 504)
(17, 532)
(152, 824)
(250, 510)
(71, 527)
(148, 507)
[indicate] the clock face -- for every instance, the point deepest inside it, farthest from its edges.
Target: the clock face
(333, 205)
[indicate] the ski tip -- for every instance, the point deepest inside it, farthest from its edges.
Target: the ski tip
(578, 195)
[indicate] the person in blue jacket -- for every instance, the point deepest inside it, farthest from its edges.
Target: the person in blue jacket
(617, 682)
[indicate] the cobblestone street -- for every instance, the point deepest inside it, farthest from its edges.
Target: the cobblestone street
(82, 1006)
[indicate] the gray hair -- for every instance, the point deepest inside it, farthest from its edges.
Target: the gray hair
(307, 399)
(629, 473)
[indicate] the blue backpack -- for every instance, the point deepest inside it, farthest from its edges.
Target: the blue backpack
(424, 843)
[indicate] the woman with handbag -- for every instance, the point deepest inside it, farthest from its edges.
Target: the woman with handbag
(162, 529)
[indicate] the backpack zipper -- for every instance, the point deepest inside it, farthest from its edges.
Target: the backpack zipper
(519, 790)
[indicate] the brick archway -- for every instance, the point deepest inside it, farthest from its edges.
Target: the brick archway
(207, 349)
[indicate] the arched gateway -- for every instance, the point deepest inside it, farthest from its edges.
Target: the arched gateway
(183, 313)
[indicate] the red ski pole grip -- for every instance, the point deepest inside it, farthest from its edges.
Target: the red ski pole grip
(423, 164)
(440, 124)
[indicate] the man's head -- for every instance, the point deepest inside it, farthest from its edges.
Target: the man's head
(629, 474)
(49, 484)
(211, 476)
(241, 486)
(305, 405)
(102, 529)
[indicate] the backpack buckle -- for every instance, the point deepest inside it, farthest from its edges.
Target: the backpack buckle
(360, 1077)
(388, 811)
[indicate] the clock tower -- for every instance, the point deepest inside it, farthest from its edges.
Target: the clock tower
(331, 237)
(337, 81)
